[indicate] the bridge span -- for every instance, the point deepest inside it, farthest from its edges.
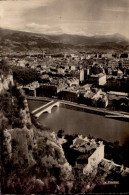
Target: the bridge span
(45, 108)
(101, 111)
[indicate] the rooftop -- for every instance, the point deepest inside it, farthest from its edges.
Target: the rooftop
(85, 145)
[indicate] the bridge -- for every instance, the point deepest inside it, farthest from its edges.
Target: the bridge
(102, 111)
(45, 108)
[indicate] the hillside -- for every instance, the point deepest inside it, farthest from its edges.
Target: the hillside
(85, 40)
(18, 41)
(31, 160)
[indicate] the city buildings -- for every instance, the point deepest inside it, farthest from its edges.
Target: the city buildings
(73, 76)
(84, 73)
(98, 79)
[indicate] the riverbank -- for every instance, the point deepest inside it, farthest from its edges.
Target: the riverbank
(84, 123)
(117, 115)
(98, 111)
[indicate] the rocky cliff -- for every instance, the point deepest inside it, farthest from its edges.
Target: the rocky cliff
(32, 160)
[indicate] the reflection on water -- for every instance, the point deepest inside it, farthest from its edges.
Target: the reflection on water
(85, 123)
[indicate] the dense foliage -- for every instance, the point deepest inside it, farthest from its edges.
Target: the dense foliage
(25, 75)
(11, 105)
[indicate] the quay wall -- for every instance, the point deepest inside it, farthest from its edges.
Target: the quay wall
(93, 111)
(84, 109)
(73, 107)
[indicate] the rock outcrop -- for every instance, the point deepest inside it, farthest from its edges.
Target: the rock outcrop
(31, 159)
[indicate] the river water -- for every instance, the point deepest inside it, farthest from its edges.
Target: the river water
(84, 123)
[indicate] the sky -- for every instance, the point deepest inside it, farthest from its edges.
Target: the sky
(81, 17)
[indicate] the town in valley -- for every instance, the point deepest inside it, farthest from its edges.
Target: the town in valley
(64, 97)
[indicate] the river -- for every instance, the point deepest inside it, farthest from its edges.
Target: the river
(84, 123)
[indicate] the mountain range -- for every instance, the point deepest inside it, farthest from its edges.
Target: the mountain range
(18, 41)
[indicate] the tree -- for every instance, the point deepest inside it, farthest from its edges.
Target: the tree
(25, 75)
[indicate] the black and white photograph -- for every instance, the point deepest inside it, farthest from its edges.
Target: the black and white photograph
(64, 97)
